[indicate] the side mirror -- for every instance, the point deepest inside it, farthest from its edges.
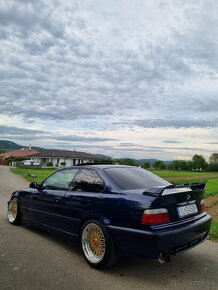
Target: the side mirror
(34, 185)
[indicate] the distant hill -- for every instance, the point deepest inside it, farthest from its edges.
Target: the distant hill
(102, 156)
(140, 161)
(8, 145)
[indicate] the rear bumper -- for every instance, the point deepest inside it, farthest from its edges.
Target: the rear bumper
(169, 240)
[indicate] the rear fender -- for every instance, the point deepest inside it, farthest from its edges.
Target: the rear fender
(92, 215)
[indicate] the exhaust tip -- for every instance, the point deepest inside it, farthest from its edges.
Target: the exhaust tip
(163, 258)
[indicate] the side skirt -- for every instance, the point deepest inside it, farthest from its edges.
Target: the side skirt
(67, 235)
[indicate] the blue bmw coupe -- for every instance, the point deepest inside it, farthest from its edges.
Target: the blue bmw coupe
(113, 210)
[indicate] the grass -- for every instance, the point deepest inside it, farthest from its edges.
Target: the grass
(41, 174)
(175, 173)
(211, 187)
(214, 229)
(211, 179)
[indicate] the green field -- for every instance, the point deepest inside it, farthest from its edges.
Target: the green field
(41, 174)
(214, 229)
(211, 179)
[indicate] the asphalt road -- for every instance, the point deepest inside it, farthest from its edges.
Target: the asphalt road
(32, 259)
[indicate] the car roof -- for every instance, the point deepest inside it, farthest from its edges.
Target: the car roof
(99, 166)
(102, 166)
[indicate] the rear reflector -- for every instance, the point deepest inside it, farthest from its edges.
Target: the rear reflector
(155, 216)
(202, 206)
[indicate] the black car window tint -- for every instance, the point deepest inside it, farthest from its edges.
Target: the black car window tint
(87, 181)
(135, 178)
(60, 179)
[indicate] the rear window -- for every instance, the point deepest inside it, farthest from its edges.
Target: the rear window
(135, 178)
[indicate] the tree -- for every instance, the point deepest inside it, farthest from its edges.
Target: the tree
(199, 162)
(159, 164)
(180, 165)
(214, 158)
(127, 161)
(146, 165)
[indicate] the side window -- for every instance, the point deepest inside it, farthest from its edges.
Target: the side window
(87, 181)
(60, 179)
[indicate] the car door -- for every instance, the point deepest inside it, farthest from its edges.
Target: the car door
(83, 196)
(46, 203)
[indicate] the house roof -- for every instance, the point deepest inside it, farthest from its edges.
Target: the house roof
(49, 153)
(23, 152)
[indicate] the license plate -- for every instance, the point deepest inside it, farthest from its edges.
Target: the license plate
(187, 210)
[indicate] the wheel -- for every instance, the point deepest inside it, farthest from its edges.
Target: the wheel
(14, 212)
(97, 245)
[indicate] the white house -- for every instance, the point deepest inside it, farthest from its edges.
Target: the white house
(63, 157)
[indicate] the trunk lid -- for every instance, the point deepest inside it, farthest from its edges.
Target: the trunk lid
(181, 201)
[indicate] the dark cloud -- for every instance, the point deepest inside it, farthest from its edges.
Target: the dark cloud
(172, 141)
(28, 134)
(83, 139)
(128, 144)
(9, 130)
(177, 123)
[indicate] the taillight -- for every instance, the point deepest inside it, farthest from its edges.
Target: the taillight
(155, 216)
(202, 206)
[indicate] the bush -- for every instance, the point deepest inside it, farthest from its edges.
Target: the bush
(49, 164)
(213, 167)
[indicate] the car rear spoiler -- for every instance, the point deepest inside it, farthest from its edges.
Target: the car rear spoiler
(158, 190)
(193, 186)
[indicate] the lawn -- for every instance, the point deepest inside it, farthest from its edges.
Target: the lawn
(214, 229)
(40, 174)
(211, 179)
(177, 173)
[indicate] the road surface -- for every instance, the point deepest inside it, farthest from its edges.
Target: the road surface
(32, 259)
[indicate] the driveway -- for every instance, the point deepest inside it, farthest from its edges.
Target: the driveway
(33, 259)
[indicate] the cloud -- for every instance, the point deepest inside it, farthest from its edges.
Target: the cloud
(58, 68)
(9, 130)
(108, 65)
(28, 134)
(177, 123)
(83, 139)
(172, 141)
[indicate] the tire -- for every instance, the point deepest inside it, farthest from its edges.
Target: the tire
(14, 212)
(97, 245)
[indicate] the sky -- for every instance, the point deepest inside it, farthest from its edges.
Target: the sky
(124, 78)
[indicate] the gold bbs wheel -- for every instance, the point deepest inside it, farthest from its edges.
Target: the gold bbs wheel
(93, 243)
(14, 214)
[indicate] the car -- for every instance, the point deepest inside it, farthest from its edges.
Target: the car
(115, 210)
(29, 162)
